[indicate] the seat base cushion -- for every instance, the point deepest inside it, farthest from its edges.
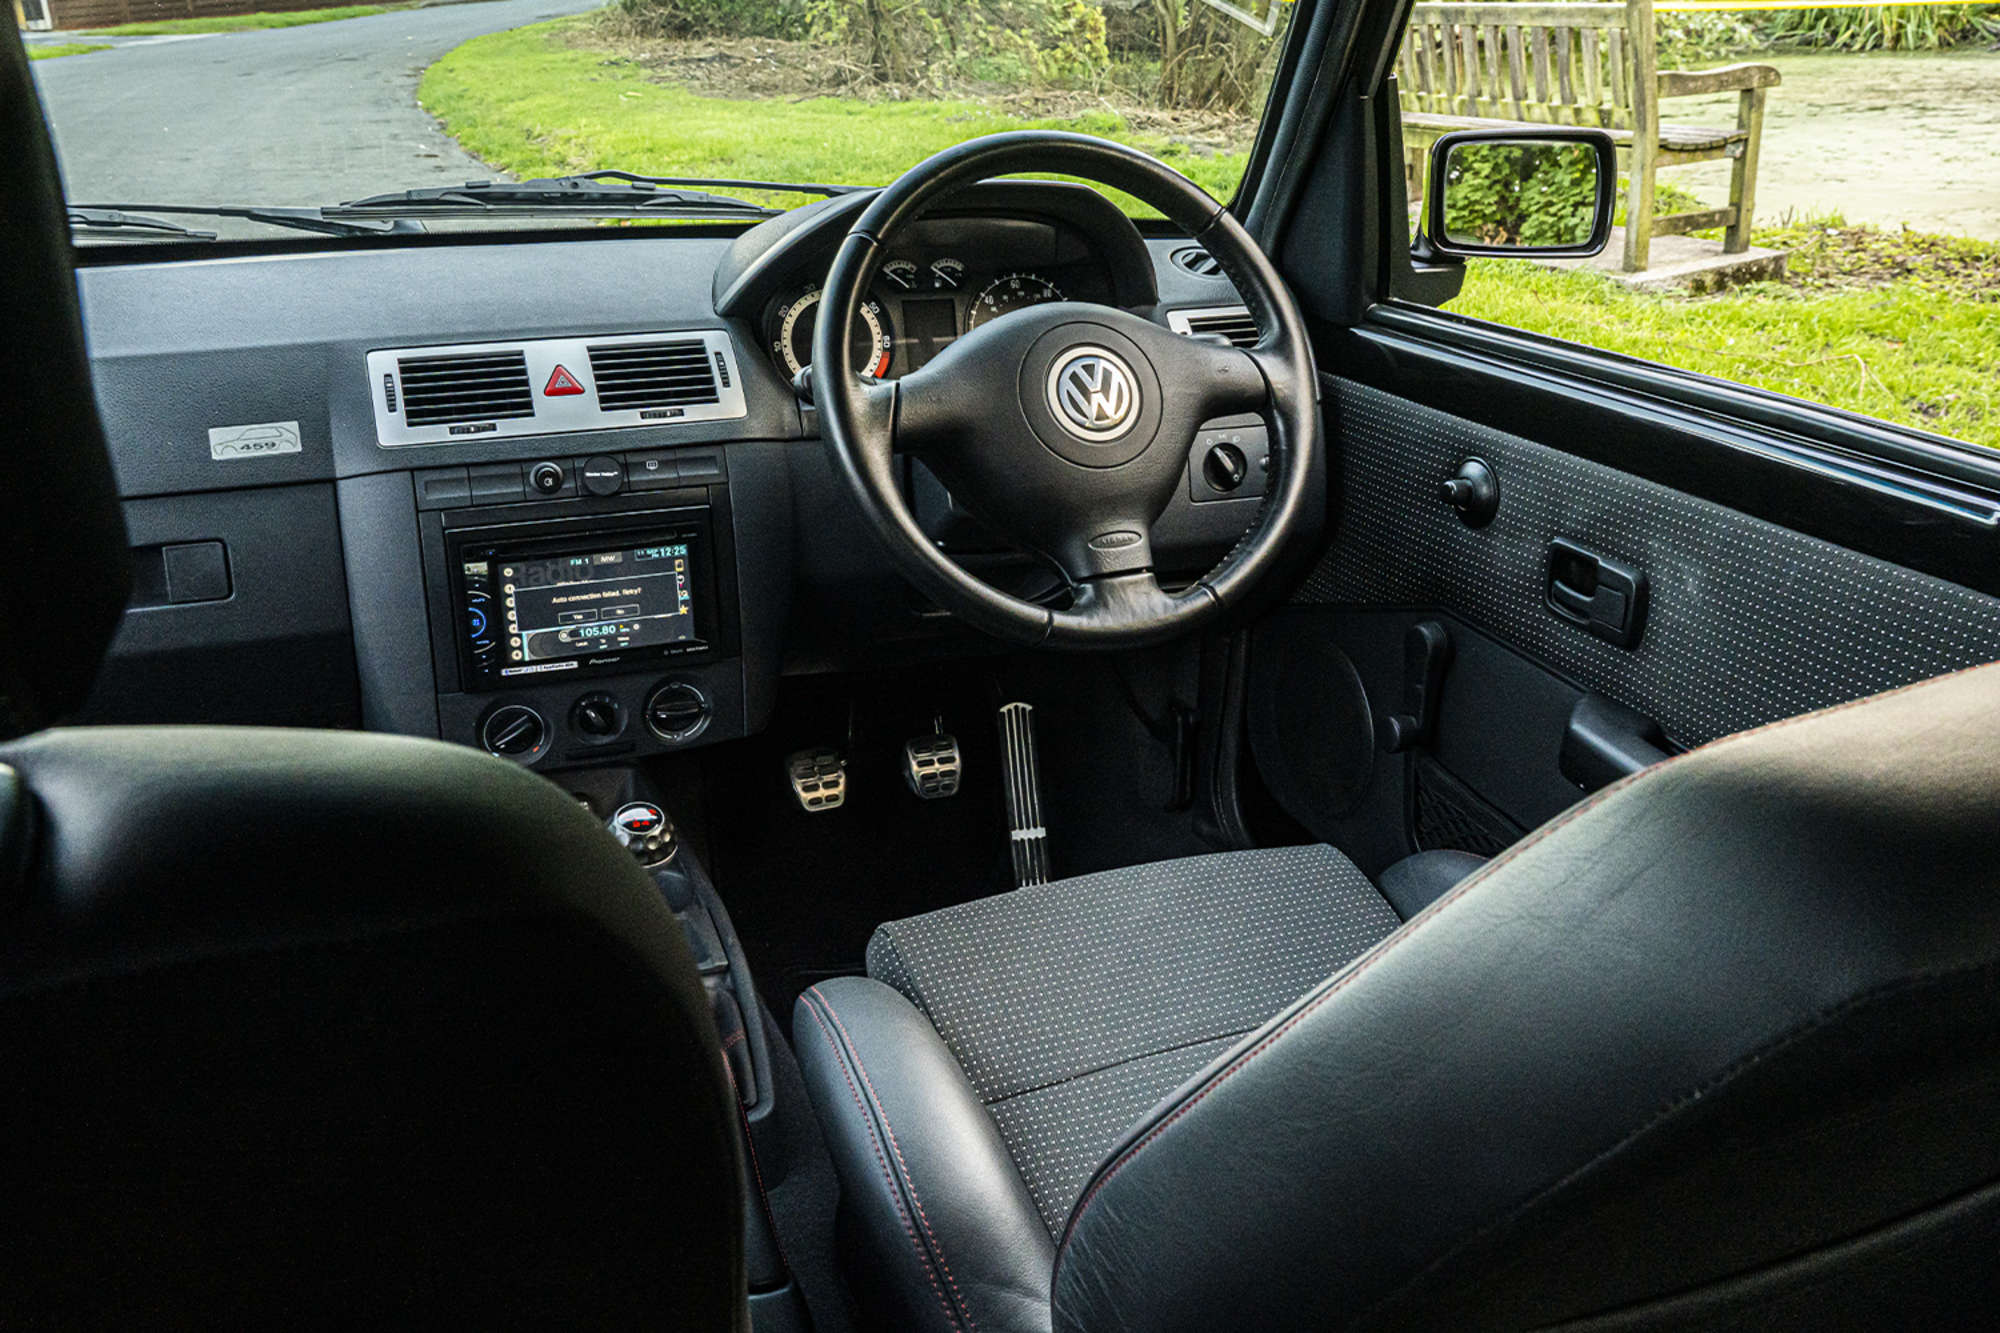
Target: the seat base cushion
(1073, 1007)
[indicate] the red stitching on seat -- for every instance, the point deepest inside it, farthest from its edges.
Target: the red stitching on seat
(908, 1181)
(875, 1143)
(1341, 981)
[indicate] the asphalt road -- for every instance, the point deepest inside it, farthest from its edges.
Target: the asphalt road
(307, 115)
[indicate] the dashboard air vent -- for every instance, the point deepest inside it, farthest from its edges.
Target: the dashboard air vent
(680, 373)
(1232, 322)
(1197, 261)
(657, 379)
(488, 386)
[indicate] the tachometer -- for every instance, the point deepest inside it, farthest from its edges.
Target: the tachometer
(872, 341)
(1014, 291)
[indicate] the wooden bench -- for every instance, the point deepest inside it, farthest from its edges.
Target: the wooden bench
(1488, 66)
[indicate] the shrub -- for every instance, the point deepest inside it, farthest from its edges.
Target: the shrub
(1497, 196)
(715, 18)
(1882, 28)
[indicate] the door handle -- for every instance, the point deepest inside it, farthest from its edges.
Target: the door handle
(1605, 596)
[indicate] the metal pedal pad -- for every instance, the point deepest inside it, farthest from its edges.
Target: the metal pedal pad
(1021, 776)
(931, 764)
(818, 778)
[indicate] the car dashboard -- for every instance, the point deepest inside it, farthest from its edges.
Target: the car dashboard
(556, 496)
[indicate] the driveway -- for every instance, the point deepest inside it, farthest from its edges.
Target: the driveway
(306, 115)
(1891, 138)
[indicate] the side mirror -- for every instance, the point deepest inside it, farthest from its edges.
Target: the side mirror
(1518, 192)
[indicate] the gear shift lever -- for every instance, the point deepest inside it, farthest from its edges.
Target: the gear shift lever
(644, 830)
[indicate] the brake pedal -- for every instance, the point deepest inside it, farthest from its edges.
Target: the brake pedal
(818, 778)
(1021, 776)
(931, 764)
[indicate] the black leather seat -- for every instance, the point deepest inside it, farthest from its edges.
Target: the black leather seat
(302, 1028)
(1718, 1048)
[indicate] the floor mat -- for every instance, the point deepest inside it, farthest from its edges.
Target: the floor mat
(807, 890)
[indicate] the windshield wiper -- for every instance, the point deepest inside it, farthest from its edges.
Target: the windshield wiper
(112, 219)
(301, 219)
(596, 193)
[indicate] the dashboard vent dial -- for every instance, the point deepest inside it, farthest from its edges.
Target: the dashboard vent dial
(489, 386)
(677, 711)
(679, 373)
(515, 731)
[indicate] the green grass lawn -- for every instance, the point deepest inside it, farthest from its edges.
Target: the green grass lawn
(1912, 352)
(1911, 333)
(246, 22)
(64, 49)
(529, 102)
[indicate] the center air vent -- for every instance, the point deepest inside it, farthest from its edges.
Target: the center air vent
(488, 386)
(1232, 322)
(553, 386)
(679, 373)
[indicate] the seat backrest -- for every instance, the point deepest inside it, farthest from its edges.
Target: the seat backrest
(1556, 64)
(1720, 1048)
(306, 1028)
(345, 1029)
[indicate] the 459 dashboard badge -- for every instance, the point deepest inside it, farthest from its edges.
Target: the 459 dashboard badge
(226, 444)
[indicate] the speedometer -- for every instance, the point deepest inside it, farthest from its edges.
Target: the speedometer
(1013, 291)
(794, 343)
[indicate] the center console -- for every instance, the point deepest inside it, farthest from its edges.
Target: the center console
(584, 610)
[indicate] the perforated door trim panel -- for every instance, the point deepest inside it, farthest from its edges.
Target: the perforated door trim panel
(1749, 622)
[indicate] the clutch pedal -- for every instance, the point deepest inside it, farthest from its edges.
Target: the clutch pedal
(818, 778)
(1022, 778)
(931, 764)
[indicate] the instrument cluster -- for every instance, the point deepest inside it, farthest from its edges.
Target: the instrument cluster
(921, 303)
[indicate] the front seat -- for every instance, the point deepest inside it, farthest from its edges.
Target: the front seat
(309, 1029)
(1718, 1048)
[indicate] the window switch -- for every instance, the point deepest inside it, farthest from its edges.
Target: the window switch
(196, 572)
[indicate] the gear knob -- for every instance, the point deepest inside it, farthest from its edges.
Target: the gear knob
(644, 830)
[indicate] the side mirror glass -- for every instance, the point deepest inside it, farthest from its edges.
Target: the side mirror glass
(1520, 192)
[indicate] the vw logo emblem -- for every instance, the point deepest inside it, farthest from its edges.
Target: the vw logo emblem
(1094, 393)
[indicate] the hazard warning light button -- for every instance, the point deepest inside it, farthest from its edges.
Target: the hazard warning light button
(561, 384)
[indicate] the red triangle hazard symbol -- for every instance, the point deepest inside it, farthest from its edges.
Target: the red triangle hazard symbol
(561, 385)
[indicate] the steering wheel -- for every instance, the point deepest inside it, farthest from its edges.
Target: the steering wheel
(1067, 426)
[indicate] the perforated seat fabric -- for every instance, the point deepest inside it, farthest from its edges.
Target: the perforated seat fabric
(1073, 1007)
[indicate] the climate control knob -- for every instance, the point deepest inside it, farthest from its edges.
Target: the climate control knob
(676, 711)
(515, 731)
(597, 717)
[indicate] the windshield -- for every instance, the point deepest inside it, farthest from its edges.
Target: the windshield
(159, 115)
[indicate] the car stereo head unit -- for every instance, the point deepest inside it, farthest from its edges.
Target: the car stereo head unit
(534, 606)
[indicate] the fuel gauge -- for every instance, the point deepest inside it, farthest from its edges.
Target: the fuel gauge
(947, 274)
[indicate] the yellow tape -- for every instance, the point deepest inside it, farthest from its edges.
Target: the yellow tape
(1714, 6)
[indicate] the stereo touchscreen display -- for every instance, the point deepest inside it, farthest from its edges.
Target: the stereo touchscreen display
(531, 612)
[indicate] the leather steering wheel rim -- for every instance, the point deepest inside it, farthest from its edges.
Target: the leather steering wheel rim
(1025, 420)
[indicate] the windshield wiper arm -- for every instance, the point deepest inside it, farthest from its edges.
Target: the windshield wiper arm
(613, 196)
(300, 219)
(112, 219)
(720, 183)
